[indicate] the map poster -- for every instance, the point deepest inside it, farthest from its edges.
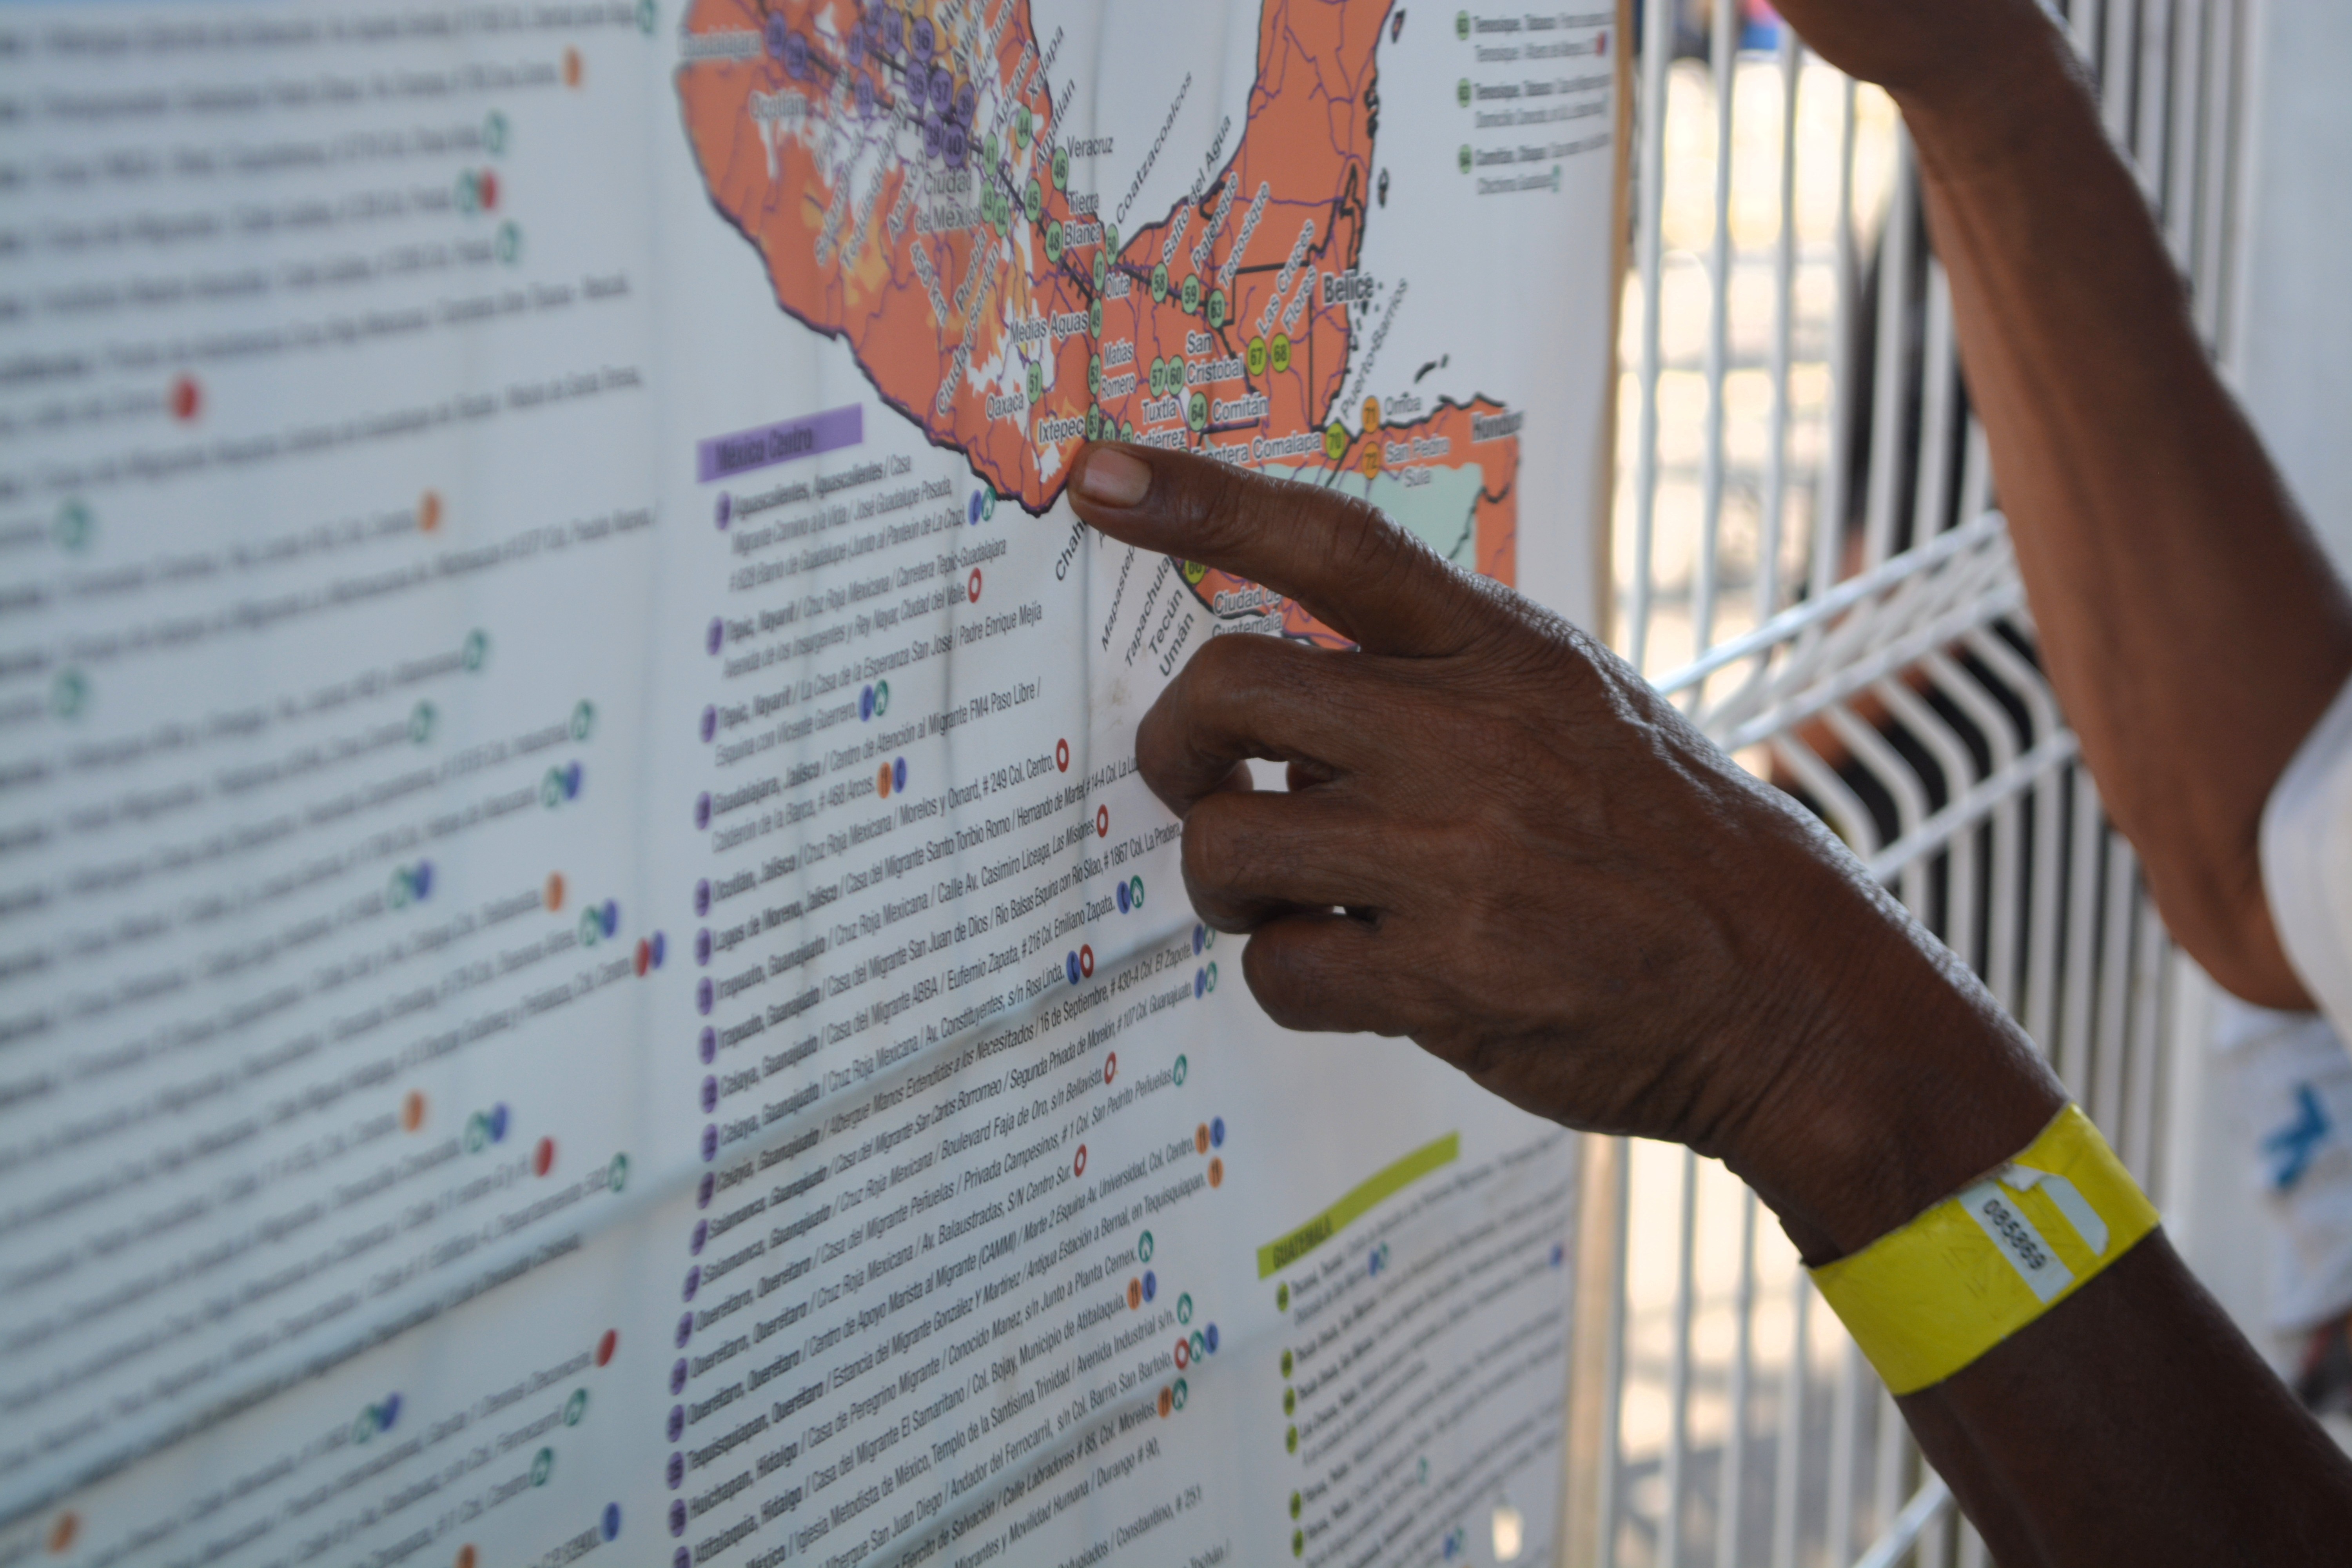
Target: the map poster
(583, 968)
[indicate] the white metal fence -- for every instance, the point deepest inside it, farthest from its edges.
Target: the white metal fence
(1807, 557)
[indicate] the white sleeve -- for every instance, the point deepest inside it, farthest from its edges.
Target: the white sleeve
(2307, 861)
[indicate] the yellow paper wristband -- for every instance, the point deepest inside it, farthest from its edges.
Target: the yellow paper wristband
(1928, 1300)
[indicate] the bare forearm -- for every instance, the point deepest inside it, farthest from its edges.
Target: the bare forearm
(2188, 621)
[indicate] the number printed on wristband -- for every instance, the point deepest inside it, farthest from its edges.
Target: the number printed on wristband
(2036, 1262)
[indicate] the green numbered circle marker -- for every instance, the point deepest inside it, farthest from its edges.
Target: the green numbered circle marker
(1036, 382)
(1033, 201)
(1158, 378)
(1198, 415)
(1024, 124)
(1061, 169)
(1102, 268)
(1054, 242)
(1216, 308)
(992, 148)
(1159, 284)
(1462, 92)
(1258, 355)
(1094, 319)
(1192, 295)
(1335, 442)
(1278, 353)
(1094, 374)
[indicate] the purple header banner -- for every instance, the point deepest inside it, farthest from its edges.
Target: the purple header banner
(723, 456)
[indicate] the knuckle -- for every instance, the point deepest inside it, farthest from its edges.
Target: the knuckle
(1211, 848)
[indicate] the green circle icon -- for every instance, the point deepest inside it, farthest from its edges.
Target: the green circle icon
(74, 526)
(1157, 378)
(1159, 284)
(68, 693)
(1061, 169)
(1464, 157)
(1213, 977)
(1024, 125)
(1179, 1394)
(477, 649)
(882, 688)
(583, 718)
(1135, 891)
(1036, 381)
(1296, 1503)
(591, 927)
(1144, 1246)
(1192, 294)
(1183, 1065)
(1094, 374)
(510, 244)
(1094, 316)
(1102, 271)
(543, 1465)
(1094, 424)
(1054, 242)
(1290, 1401)
(1290, 1440)
(616, 1175)
(1335, 442)
(1287, 1363)
(1184, 1308)
(1277, 353)
(1216, 308)
(1033, 200)
(1462, 24)
(1462, 92)
(1282, 1298)
(575, 1407)
(494, 133)
(478, 1133)
(1198, 414)
(1299, 1543)
(1126, 429)
(1256, 357)
(992, 149)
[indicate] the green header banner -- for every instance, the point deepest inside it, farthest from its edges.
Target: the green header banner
(1284, 1250)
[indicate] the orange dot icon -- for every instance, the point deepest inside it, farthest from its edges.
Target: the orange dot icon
(1200, 1139)
(62, 1532)
(428, 512)
(411, 1111)
(1216, 1173)
(883, 783)
(466, 1555)
(1167, 1403)
(572, 68)
(1371, 414)
(554, 891)
(1134, 1295)
(1373, 457)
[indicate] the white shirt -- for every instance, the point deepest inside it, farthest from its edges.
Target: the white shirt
(2307, 861)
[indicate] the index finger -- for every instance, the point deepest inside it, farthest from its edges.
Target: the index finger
(1353, 568)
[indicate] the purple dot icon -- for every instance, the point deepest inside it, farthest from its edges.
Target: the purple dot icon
(865, 704)
(700, 1238)
(797, 55)
(777, 35)
(661, 949)
(710, 1095)
(572, 782)
(725, 509)
(702, 898)
(702, 1193)
(934, 139)
(971, 511)
(717, 636)
(693, 1282)
(710, 1144)
(685, 1329)
(611, 916)
(943, 89)
(677, 1427)
(921, 39)
(676, 1474)
(898, 776)
(1209, 1338)
(865, 97)
(1200, 937)
(498, 1122)
(857, 47)
(677, 1376)
(423, 881)
(701, 811)
(702, 946)
(1123, 897)
(1217, 1133)
(710, 725)
(953, 145)
(707, 1047)
(681, 1558)
(966, 101)
(677, 1516)
(704, 997)
(390, 1408)
(610, 1523)
(1200, 984)
(1151, 1284)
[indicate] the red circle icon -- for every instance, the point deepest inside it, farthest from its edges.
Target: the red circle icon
(606, 1346)
(1184, 1354)
(542, 1159)
(1062, 755)
(187, 398)
(973, 586)
(1078, 1165)
(1110, 1067)
(489, 190)
(645, 957)
(1102, 822)
(1086, 961)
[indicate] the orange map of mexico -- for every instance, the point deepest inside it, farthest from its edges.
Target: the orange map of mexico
(901, 172)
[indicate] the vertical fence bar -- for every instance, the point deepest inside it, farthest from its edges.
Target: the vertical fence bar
(1788, 1460)
(1678, 1372)
(1725, 44)
(1620, 1156)
(1938, 402)
(2116, 933)
(2137, 1137)
(1773, 521)
(1829, 512)
(2182, 162)
(1842, 1442)
(1657, 48)
(2216, 209)
(1733, 1476)
(2073, 1059)
(1889, 391)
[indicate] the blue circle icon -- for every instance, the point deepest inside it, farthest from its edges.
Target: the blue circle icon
(423, 878)
(1070, 968)
(1217, 1133)
(707, 1047)
(661, 949)
(1123, 903)
(498, 1122)
(1151, 1284)
(611, 914)
(1210, 1338)
(1199, 939)
(1200, 984)
(898, 776)
(971, 512)
(704, 1193)
(865, 703)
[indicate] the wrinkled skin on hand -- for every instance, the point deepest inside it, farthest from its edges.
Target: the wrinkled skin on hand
(1501, 842)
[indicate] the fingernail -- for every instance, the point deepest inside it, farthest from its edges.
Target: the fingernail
(1113, 478)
